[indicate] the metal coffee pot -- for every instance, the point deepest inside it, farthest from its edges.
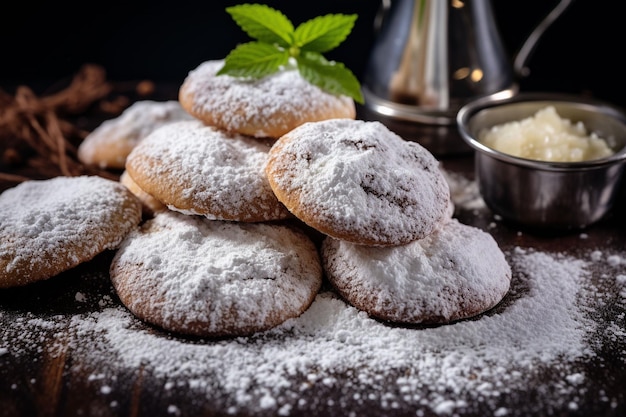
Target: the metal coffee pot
(431, 57)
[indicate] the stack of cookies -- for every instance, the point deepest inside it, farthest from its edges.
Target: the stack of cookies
(233, 179)
(391, 248)
(220, 255)
(225, 255)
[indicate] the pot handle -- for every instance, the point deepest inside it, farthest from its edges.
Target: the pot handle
(521, 58)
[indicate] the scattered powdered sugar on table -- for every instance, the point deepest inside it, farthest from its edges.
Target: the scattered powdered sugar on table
(464, 192)
(334, 359)
(541, 331)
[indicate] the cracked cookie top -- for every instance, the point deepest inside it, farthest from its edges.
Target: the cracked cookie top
(358, 181)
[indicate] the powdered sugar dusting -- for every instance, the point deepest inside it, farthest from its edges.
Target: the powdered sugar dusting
(56, 223)
(278, 102)
(192, 275)
(543, 331)
(121, 134)
(359, 181)
(206, 172)
(464, 192)
(455, 272)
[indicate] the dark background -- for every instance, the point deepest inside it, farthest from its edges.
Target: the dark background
(45, 42)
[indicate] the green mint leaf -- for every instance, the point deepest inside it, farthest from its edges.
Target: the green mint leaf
(324, 33)
(330, 76)
(254, 60)
(277, 42)
(263, 23)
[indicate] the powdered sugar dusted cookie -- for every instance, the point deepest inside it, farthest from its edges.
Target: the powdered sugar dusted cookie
(358, 181)
(108, 145)
(268, 107)
(191, 275)
(50, 226)
(149, 204)
(456, 272)
(198, 169)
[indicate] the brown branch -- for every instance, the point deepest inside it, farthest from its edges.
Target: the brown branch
(12, 177)
(35, 125)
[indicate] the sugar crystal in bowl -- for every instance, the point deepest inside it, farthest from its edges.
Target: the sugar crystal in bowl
(545, 160)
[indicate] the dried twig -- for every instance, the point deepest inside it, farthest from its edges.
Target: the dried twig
(34, 127)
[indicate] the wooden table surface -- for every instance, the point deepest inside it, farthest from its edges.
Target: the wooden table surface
(69, 348)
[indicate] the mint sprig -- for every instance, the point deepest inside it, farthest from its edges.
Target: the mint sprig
(278, 43)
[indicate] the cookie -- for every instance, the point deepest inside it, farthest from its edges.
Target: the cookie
(198, 169)
(50, 226)
(108, 145)
(194, 276)
(268, 107)
(456, 272)
(149, 204)
(357, 181)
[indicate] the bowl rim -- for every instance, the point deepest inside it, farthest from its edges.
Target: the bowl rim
(473, 107)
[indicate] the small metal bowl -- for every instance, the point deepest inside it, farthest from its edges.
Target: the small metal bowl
(546, 195)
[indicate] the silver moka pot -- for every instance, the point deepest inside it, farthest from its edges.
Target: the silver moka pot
(433, 56)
